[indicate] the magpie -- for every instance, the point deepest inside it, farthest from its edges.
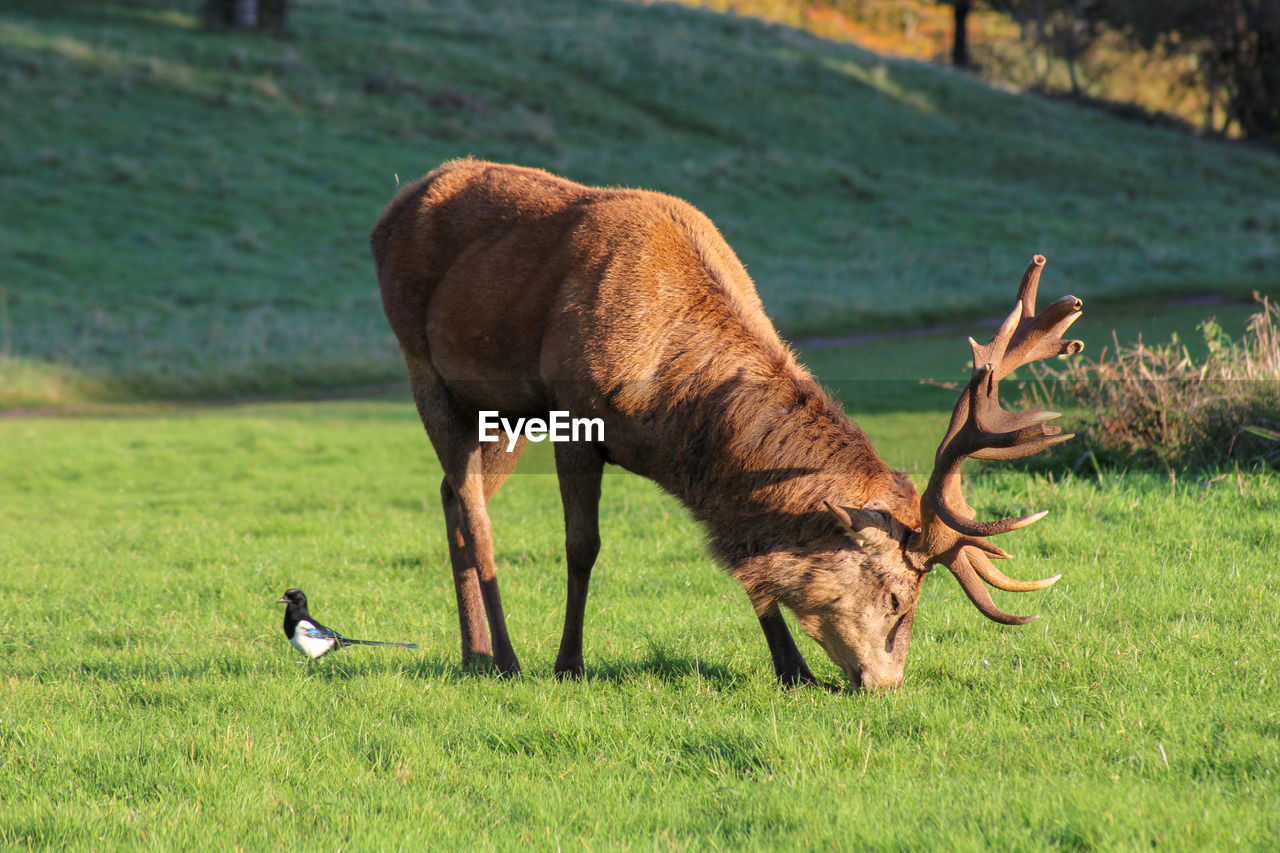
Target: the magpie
(310, 637)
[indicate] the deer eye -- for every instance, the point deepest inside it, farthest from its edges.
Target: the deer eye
(893, 602)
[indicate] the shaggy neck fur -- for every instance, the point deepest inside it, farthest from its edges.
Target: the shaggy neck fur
(756, 454)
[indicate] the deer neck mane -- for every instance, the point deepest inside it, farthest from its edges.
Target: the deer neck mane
(755, 453)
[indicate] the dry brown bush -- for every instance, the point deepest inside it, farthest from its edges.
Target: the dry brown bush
(1156, 405)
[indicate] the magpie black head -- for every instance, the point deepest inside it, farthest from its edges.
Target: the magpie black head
(293, 596)
(296, 611)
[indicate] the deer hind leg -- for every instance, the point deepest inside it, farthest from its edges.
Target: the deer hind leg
(497, 463)
(579, 468)
(788, 662)
(473, 472)
(476, 647)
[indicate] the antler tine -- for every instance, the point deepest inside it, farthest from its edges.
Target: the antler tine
(978, 552)
(964, 571)
(981, 428)
(989, 573)
(1029, 285)
(1037, 336)
(1043, 338)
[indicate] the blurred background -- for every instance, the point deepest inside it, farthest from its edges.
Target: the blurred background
(188, 184)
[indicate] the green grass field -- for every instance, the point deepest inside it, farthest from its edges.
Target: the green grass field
(149, 697)
(184, 218)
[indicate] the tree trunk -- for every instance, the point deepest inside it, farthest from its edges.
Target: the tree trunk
(1210, 82)
(1069, 54)
(246, 14)
(1256, 78)
(273, 15)
(960, 38)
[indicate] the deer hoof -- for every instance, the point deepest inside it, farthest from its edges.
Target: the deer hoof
(569, 671)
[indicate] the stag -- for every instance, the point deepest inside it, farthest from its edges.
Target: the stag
(514, 290)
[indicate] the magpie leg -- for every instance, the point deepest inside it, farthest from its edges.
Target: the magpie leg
(473, 472)
(579, 467)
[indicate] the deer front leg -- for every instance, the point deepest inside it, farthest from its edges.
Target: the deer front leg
(579, 468)
(788, 662)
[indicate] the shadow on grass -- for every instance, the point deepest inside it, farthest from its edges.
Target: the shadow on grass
(664, 665)
(189, 668)
(657, 664)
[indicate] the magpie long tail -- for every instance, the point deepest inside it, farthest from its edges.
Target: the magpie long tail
(346, 641)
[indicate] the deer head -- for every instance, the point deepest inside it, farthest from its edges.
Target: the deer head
(859, 600)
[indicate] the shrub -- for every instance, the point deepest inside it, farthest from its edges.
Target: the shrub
(1155, 405)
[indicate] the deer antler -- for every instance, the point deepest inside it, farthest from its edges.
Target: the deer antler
(949, 533)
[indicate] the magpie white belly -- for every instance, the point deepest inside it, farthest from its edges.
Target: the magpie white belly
(312, 647)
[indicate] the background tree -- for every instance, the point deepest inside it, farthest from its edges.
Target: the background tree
(1236, 43)
(960, 34)
(1063, 28)
(246, 14)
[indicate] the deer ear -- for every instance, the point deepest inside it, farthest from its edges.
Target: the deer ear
(868, 528)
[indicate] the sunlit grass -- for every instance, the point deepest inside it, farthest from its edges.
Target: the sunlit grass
(30, 384)
(150, 698)
(185, 217)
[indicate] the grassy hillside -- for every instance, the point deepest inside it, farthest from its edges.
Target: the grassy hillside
(185, 212)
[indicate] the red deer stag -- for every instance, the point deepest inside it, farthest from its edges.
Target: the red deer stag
(513, 290)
